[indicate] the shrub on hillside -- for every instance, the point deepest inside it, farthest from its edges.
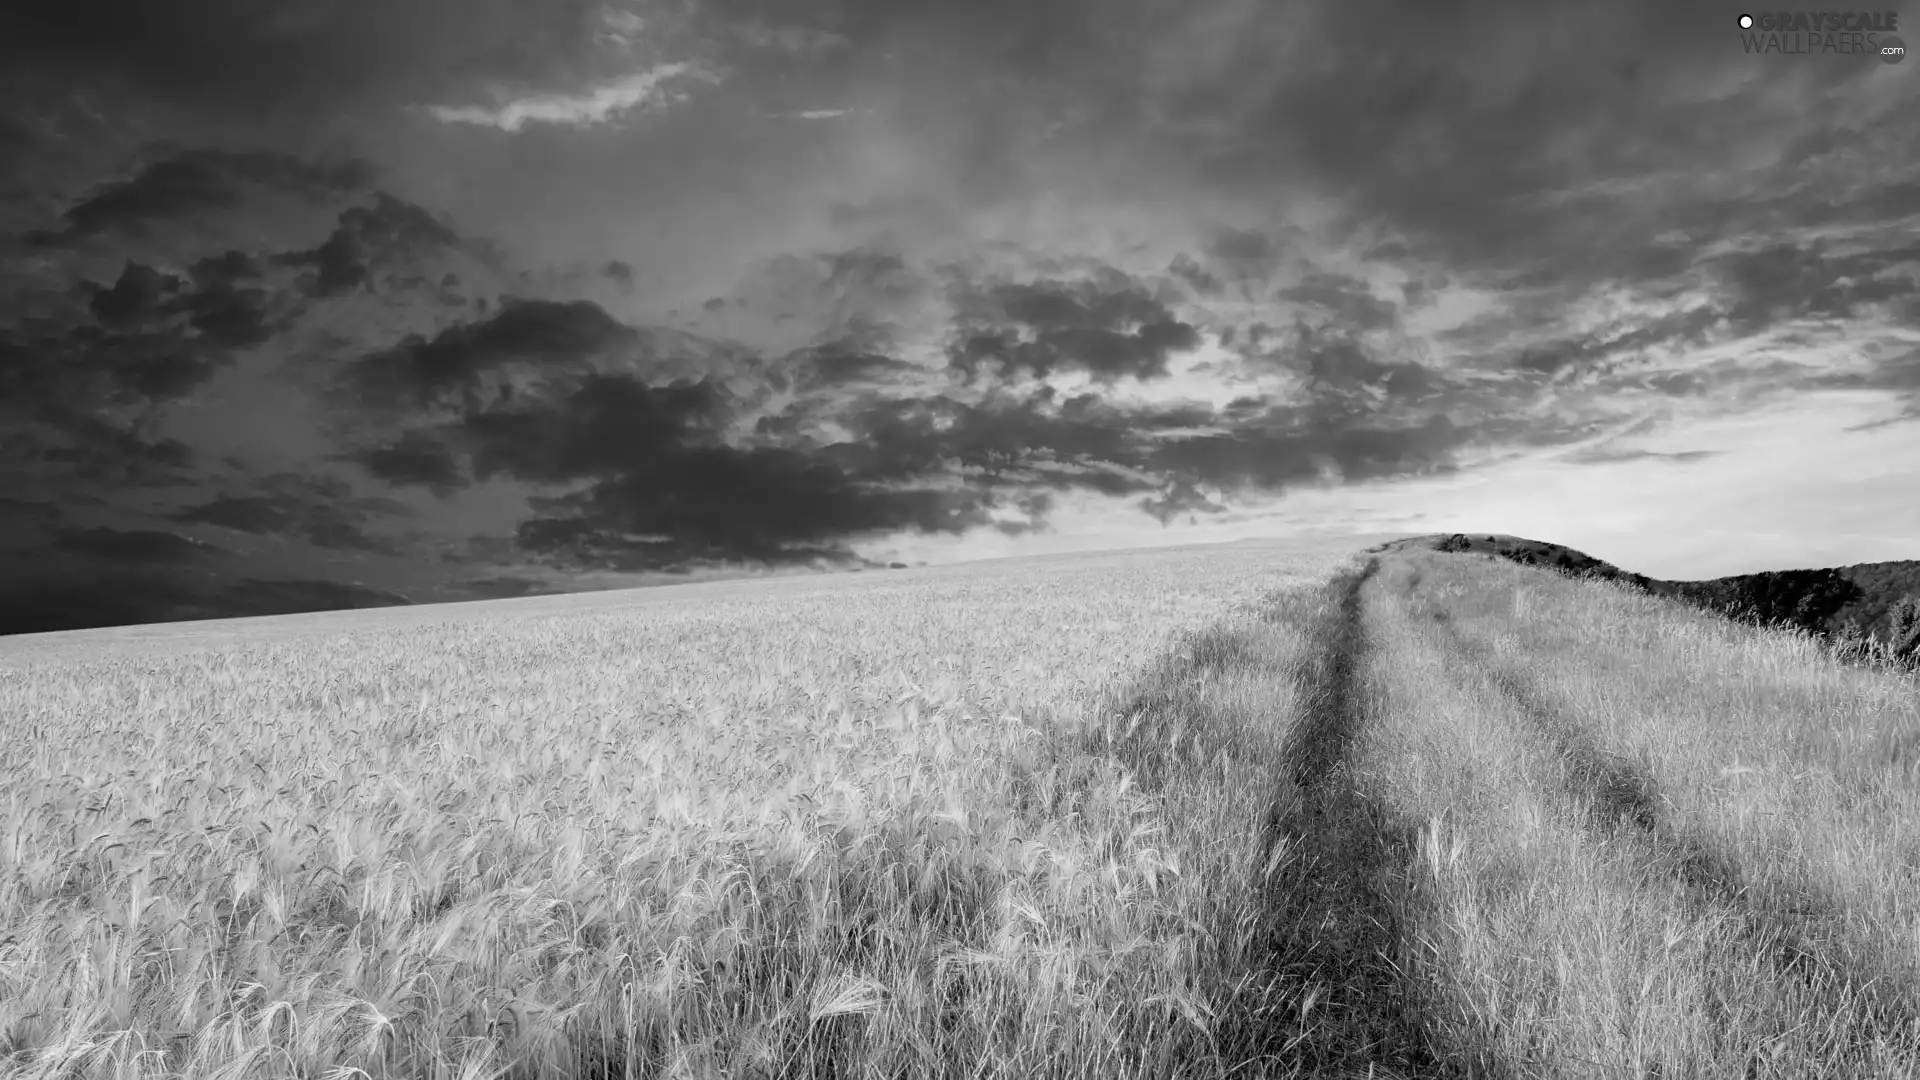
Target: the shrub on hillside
(1456, 542)
(1904, 639)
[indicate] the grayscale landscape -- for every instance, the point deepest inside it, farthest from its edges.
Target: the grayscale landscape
(997, 539)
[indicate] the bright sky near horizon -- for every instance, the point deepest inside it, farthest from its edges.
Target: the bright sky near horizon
(334, 301)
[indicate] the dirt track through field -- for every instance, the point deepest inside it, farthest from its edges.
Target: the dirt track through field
(1326, 989)
(1801, 930)
(1339, 906)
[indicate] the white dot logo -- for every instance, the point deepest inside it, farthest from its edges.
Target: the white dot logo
(1746, 22)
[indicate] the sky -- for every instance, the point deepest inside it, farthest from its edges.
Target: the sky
(328, 303)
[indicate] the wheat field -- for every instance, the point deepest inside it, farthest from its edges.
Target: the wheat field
(765, 828)
(1274, 809)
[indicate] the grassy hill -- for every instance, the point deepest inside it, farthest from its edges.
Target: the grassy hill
(1821, 601)
(1243, 811)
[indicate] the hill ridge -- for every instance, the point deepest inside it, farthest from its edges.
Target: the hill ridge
(1825, 601)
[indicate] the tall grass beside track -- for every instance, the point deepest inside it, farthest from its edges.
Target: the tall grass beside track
(908, 825)
(1660, 844)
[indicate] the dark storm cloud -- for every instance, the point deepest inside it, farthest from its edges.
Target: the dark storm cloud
(420, 371)
(236, 57)
(898, 439)
(168, 339)
(415, 458)
(321, 510)
(197, 181)
(368, 239)
(666, 489)
(841, 364)
(77, 402)
(101, 451)
(254, 514)
(226, 269)
(1338, 369)
(83, 381)
(136, 546)
(607, 425)
(138, 291)
(1262, 457)
(1088, 443)
(1107, 328)
(229, 317)
(720, 502)
(86, 375)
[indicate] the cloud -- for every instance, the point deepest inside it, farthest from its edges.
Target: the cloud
(366, 240)
(867, 294)
(90, 375)
(1608, 348)
(667, 489)
(1347, 300)
(229, 317)
(144, 305)
(1785, 281)
(138, 291)
(641, 90)
(321, 510)
(1181, 497)
(1265, 455)
(458, 361)
(226, 268)
(415, 458)
(717, 502)
(196, 181)
(1247, 254)
(136, 546)
(656, 474)
(608, 424)
(794, 40)
(1105, 328)
(1600, 455)
(310, 59)
(840, 364)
